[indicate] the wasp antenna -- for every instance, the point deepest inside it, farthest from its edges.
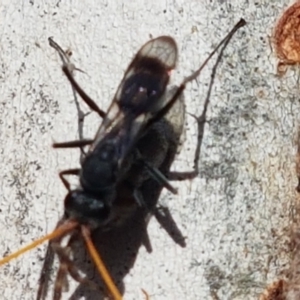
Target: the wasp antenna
(63, 229)
(100, 265)
(146, 294)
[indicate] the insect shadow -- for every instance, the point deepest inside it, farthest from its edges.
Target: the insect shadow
(119, 246)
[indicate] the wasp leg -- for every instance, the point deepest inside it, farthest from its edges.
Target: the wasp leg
(159, 177)
(87, 99)
(73, 144)
(195, 74)
(45, 274)
(68, 172)
(201, 120)
(67, 266)
(65, 57)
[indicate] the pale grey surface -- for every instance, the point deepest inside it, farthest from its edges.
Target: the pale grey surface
(232, 215)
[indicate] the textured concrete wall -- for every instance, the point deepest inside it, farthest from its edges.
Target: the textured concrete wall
(235, 216)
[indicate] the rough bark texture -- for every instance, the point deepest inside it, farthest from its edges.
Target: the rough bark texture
(237, 217)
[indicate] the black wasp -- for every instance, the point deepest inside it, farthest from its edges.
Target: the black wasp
(114, 166)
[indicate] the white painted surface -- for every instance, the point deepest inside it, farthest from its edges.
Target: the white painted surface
(232, 215)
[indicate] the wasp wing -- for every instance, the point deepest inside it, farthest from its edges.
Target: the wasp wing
(140, 93)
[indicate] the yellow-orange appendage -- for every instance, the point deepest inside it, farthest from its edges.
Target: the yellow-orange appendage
(100, 265)
(61, 230)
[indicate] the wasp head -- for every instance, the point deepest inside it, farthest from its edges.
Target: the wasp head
(87, 208)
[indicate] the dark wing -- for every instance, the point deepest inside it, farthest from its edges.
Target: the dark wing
(140, 93)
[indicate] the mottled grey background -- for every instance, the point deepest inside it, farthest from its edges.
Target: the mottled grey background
(234, 215)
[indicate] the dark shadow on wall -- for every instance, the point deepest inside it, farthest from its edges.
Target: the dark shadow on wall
(119, 247)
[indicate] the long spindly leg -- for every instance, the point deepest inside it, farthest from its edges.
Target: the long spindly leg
(63, 253)
(166, 221)
(179, 176)
(73, 144)
(159, 177)
(63, 173)
(202, 118)
(60, 281)
(156, 174)
(188, 175)
(72, 269)
(71, 67)
(67, 65)
(195, 74)
(67, 266)
(87, 99)
(45, 274)
(48, 265)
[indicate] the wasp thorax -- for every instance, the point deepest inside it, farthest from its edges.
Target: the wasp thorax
(141, 93)
(98, 171)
